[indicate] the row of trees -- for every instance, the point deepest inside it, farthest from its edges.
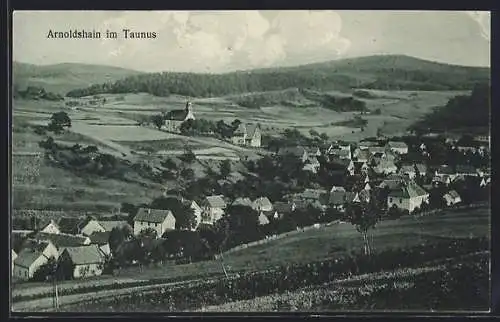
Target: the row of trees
(35, 93)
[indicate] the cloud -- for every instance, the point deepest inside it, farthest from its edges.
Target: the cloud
(483, 19)
(212, 41)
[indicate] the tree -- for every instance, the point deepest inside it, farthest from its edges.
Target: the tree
(157, 120)
(364, 216)
(59, 121)
(187, 174)
(225, 168)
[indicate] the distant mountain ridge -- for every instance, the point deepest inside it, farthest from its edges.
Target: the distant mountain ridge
(61, 78)
(385, 72)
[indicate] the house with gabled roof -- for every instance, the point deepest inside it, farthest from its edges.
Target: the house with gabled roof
(213, 208)
(283, 208)
(51, 227)
(247, 134)
(452, 198)
(263, 218)
(27, 263)
(397, 147)
(175, 118)
(262, 204)
(363, 196)
(421, 169)
(160, 220)
(385, 167)
(109, 225)
(466, 170)
(101, 239)
(407, 196)
(312, 164)
(82, 261)
(247, 202)
(362, 155)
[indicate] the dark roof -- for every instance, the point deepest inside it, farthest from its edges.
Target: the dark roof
(465, 169)
(242, 202)
(445, 169)
(26, 258)
(70, 225)
(338, 197)
(152, 215)
(283, 207)
(421, 167)
(409, 190)
(62, 240)
(109, 225)
(34, 245)
(85, 255)
(340, 162)
(99, 238)
(216, 201)
(397, 144)
(176, 115)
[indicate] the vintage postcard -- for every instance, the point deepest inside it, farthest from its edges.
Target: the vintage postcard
(250, 161)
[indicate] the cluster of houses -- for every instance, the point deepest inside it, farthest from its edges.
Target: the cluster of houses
(82, 243)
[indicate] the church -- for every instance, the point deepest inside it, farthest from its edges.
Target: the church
(175, 118)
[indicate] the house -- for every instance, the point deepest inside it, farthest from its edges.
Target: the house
(397, 147)
(367, 144)
(242, 202)
(70, 225)
(318, 197)
(362, 196)
(408, 170)
(27, 263)
(377, 150)
(46, 247)
(89, 226)
(101, 239)
(407, 196)
(360, 167)
(62, 240)
(466, 170)
(313, 151)
(109, 225)
(159, 220)
(51, 227)
(442, 180)
(362, 155)
(452, 198)
(312, 164)
(421, 169)
(213, 207)
(197, 211)
(262, 204)
(247, 135)
(13, 256)
(175, 118)
(82, 261)
(445, 170)
(283, 208)
(341, 152)
(337, 198)
(367, 187)
(263, 219)
(344, 164)
(385, 167)
(298, 152)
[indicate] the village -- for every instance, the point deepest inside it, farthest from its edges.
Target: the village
(396, 176)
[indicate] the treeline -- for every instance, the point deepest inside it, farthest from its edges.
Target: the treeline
(333, 75)
(36, 93)
(460, 112)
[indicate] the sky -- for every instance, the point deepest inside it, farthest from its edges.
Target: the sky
(222, 41)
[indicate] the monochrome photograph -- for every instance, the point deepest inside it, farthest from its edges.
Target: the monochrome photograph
(306, 161)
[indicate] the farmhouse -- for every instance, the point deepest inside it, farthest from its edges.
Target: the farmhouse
(313, 196)
(27, 263)
(397, 147)
(362, 196)
(313, 151)
(79, 226)
(157, 219)
(466, 170)
(83, 261)
(91, 225)
(408, 196)
(421, 169)
(283, 208)
(262, 204)
(101, 239)
(362, 155)
(175, 118)
(247, 135)
(385, 167)
(213, 207)
(452, 198)
(338, 197)
(312, 164)
(243, 202)
(108, 225)
(263, 219)
(51, 227)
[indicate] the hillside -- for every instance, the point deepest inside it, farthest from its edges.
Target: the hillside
(390, 72)
(462, 113)
(61, 78)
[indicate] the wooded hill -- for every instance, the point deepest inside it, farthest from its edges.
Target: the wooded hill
(386, 72)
